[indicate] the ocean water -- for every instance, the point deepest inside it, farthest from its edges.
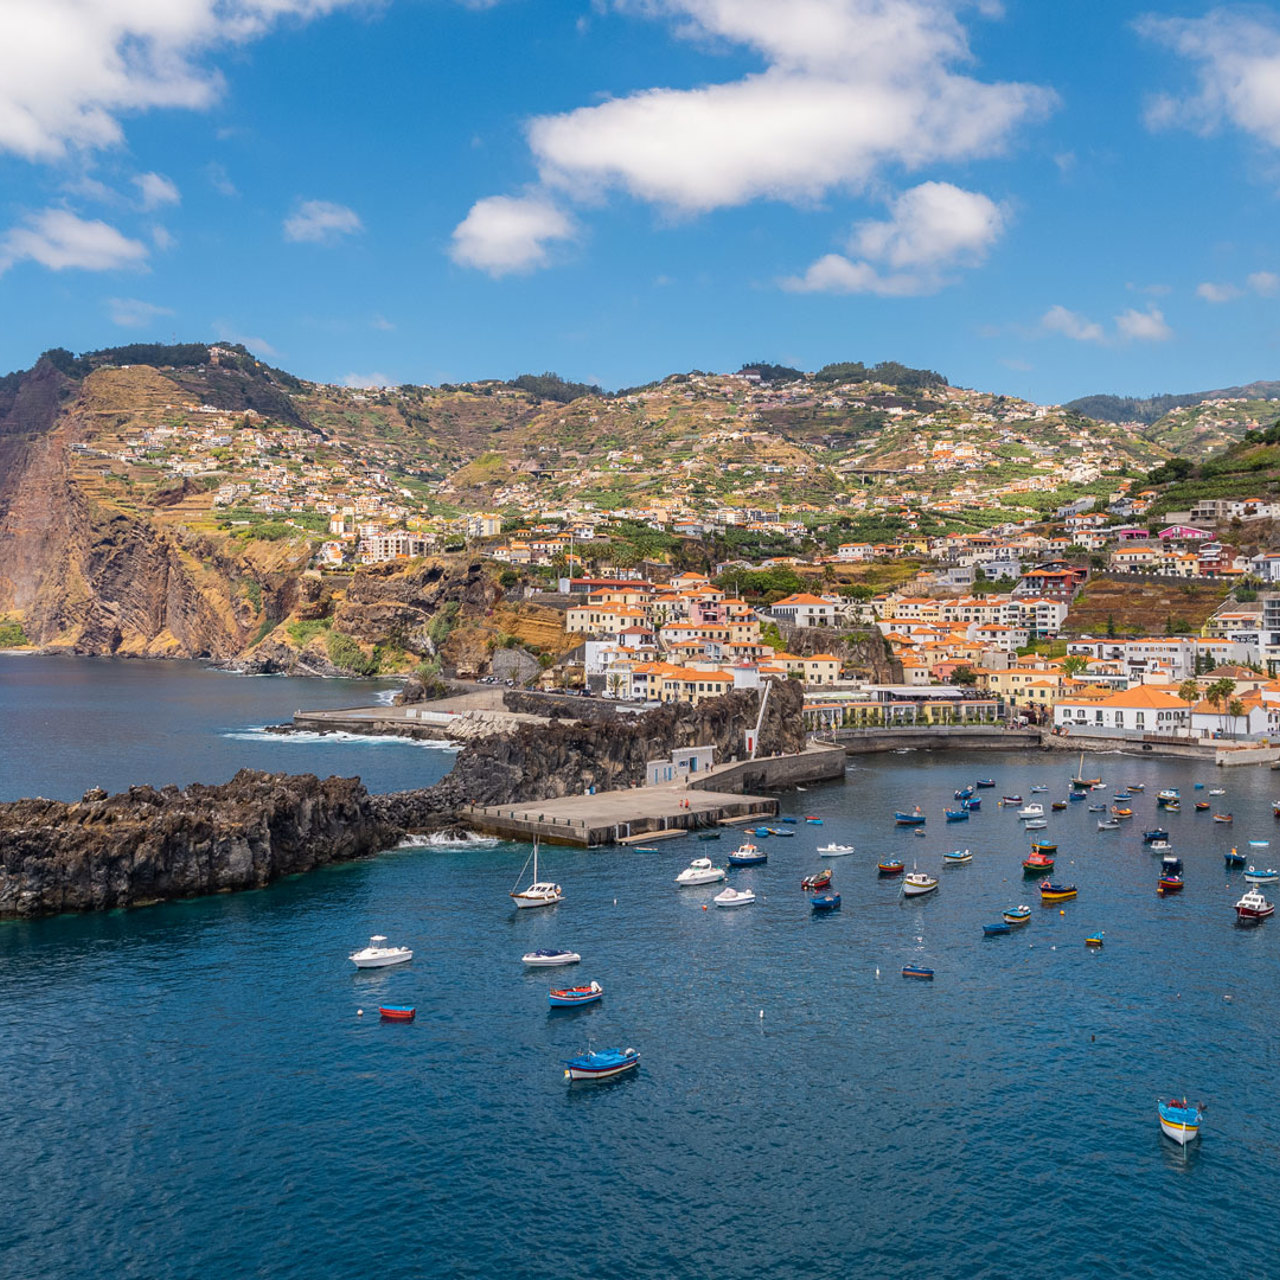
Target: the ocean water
(190, 1090)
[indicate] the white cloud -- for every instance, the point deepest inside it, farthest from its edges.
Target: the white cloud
(1143, 326)
(381, 322)
(154, 190)
(931, 228)
(58, 239)
(133, 313)
(366, 381)
(1237, 57)
(502, 234)
(229, 333)
(1212, 292)
(1071, 324)
(70, 69)
(321, 222)
(162, 238)
(849, 89)
(1266, 284)
(220, 180)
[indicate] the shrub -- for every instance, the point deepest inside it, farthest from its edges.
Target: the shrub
(344, 652)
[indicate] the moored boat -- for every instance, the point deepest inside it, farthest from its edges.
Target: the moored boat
(1159, 846)
(1050, 892)
(1058, 805)
(985, 783)
(1171, 864)
(548, 956)
(1037, 864)
(917, 971)
(973, 804)
(1169, 884)
(1097, 808)
(1043, 846)
(745, 855)
(1168, 795)
(819, 880)
(913, 819)
(1093, 940)
(992, 930)
(813, 821)
(377, 955)
(1253, 906)
(1036, 824)
(398, 1012)
(1119, 811)
(917, 883)
(825, 902)
(964, 793)
(1156, 833)
(1040, 789)
(1255, 876)
(834, 850)
(734, 898)
(572, 997)
(708, 835)
(1137, 786)
(1202, 806)
(1032, 810)
(895, 867)
(957, 815)
(1017, 915)
(1223, 817)
(1234, 858)
(1180, 1121)
(601, 1064)
(1110, 824)
(700, 871)
(540, 893)
(1010, 799)
(957, 858)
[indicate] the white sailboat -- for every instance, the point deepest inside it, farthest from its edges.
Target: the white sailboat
(541, 893)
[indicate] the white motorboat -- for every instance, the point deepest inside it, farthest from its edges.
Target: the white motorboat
(1035, 824)
(377, 955)
(917, 882)
(1031, 811)
(734, 898)
(1159, 846)
(540, 893)
(1253, 906)
(700, 871)
(547, 957)
(1039, 789)
(1217, 791)
(835, 850)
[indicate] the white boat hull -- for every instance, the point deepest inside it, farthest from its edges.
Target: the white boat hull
(1180, 1133)
(737, 900)
(686, 880)
(361, 961)
(548, 962)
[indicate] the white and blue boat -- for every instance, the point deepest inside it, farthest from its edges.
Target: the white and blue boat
(957, 858)
(825, 902)
(965, 793)
(1156, 833)
(1255, 876)
(973, 804)
(914, 819)
(572, 997)
(747, 855)
(601, 1064)
(957, 815)
(1180, 1121)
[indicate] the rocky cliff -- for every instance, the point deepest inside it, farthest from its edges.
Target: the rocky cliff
(145, 845)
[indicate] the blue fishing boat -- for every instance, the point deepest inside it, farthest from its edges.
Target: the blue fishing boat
(957, 815)
(973, 804)
(825, 901)
(572, 997)
(1077, 795)
(1179, 1121)
(914, 819)
(747, 855)
(601, 1064)
(1234, 858)
(993, 930)
(1156, 833)
(782, 832)
(916, 971)
(1017, 915)
(964, 793)
(762, 832)
(1123, 795)
(791, 820)
(985, 783)
(1199, 786)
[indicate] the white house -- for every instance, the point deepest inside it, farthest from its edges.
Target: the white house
(1144, 709)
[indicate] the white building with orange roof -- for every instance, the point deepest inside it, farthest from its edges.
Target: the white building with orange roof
(1134, 713)
(804, 610)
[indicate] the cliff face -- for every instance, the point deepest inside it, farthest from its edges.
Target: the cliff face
(146, 845)
(540, 762)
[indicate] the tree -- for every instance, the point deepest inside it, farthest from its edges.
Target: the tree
(964, 674)
(1235, 709)
(1218, 694)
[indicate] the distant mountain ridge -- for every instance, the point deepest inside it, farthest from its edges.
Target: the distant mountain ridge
(1150, 409)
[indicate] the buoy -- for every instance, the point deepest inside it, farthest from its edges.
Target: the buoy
(1062, 911)
(615, 902)
(762, 1013)
(704, 906)
(877, 973)
(359, 1013)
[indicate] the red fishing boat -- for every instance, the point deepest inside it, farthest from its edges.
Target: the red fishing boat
(1037, 864)
(1169, 884)
(818, 881)
(397, 1012)
(894, 867)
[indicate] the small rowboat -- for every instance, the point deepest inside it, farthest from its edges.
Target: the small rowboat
(1040, 846)
(1202, 806)
(1156, 833)
(957, 858)
(1109, 825)
(914, 819)
(1223, 817)
(601, 1064)
(1137, 786)
(1121, 795)
(1017, 915)
(1097, 808)
(1010, 799)
(916, 971)
(547, 956)
(1095, 940)
(1077, 795)
(1234, 858)
(1174, 806)
(1259, 844)
(1039, 789)
(819, 880)
(993, 930)
(572, 997)
(1179, 1121)
(1254, 876)
(964, 793)
(1035, 824)
(397, 1012)
(1056, 892)
(708, 835)
(974, 804)
(1217, 791)
(957, 815)
(891, 868)
(793, 821)
(782, 831)
(1058, 805)
(984, 783)
(825, 902)
(1117, 811)
(1169, 884)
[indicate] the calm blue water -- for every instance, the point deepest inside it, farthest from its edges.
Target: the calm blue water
(188, 1090)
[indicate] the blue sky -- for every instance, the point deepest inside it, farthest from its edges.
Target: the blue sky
(1048, 200)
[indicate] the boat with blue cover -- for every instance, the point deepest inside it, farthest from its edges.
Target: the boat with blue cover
(957, 858)
(790, 820)
(1180, 1121)
(1156, 833)
(917, 971)
(1254, 876)
(825, 902)
(1122, 795)
(762, 833)
(813, 821)
(957, 815)
(572, 997)
(992, 930)
(1077, 795)
(973, 803)
(601, 1064)
(1017, 915)
(913, 819)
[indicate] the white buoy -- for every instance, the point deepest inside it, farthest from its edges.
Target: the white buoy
(762, 1013)
(359, 1013)
(877, 973)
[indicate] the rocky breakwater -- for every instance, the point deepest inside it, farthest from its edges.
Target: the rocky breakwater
(144, 845)
(557, 758)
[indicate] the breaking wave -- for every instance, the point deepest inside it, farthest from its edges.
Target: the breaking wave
(310, 737)
(442, 841)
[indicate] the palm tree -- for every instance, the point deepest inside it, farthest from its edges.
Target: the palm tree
(1189, 692)
(1218, 694)
(1073, 664)
(1235, 709)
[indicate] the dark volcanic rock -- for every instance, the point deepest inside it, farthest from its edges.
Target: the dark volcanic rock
(146, 845)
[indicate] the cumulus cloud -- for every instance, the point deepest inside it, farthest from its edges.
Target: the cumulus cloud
(154, 190)
(58, 239)
(70, 69)
(321, 222)
(1236, 55)
(1143, 326)
(1071, 324)
(931, 228)
(1212, 292)
(502, 234)
(133, 313)
(1266, 284)
(849, 89)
